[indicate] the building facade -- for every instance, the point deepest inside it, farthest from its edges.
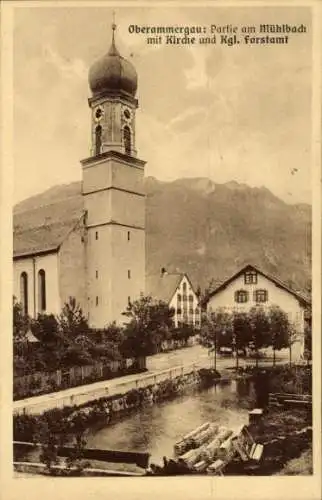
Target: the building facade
(92, 247)
(251, 287)
(177, 291)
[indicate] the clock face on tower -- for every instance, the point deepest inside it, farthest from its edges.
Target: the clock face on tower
(99, 114)
(127, 113)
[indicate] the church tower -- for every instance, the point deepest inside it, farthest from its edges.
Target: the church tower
(113, 192)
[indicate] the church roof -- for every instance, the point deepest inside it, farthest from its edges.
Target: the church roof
(43, 229)
(163, 286)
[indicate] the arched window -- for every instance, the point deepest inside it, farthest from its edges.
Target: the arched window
(24, 292)
(41, 291)
(241, 296)
(127, 139)
(98, 140)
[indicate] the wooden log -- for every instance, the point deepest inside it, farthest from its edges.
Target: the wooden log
(226, 450)
(216, 468)
(196, 431)
(212, 448)
(200, 466)
(187, 442)
(190, 458)
(205, 436)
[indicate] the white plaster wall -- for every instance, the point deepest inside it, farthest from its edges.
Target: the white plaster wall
(49, 263)
(174, 302)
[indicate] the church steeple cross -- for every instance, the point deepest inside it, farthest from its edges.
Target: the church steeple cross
(113, 49)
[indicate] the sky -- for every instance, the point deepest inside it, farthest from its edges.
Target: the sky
(227, 113)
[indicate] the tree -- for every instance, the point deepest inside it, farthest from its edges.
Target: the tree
(183, 333)
(259, 329)
(203, 295)
(279, 328)
(64, 339)
(150, 324)
(216, 331)
(308, 334)
(208, 336)
(45, 328)
(108, 343)
(292, 338)
(241, 332)
(52, 343)
(71, 320)
(20, 323)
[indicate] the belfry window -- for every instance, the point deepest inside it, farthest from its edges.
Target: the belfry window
(41, 291)
(98, 140)
(127, 140)
(24, 292)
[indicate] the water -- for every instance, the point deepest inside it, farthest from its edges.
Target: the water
(155, 429)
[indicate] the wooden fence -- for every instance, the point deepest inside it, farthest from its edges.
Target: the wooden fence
(44, 382)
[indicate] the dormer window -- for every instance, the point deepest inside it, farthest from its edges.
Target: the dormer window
(241, 296)
(250, 278)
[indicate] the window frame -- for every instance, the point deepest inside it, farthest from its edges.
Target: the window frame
(241, 293)
(257, 295)
(98, 140)
(24, 292)
(250, 278)
(42, 291)
(127, 140)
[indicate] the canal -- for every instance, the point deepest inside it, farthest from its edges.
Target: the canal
(155, 429)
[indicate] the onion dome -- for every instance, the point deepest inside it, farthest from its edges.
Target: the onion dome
(112, 73)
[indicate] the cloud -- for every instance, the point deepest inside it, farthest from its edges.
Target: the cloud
(68, 69)
(188, 117)
(204, 111)
(197, 76)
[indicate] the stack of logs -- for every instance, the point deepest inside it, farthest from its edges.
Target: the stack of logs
(206, 449)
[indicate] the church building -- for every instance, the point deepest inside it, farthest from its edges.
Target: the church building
(91, 246)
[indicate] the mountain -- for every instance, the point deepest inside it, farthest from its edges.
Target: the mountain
(206, 229)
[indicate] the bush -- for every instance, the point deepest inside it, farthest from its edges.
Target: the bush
(133, 398)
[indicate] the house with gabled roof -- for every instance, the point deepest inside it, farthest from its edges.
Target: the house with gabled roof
(251, 286)
(178, 292)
